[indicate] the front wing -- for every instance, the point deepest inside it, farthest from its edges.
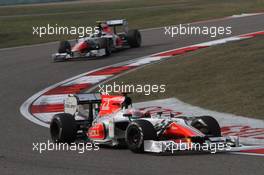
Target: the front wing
(212, 145)
(67, 56)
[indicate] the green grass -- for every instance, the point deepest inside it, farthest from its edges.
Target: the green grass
(226, 78)
(14, 2)
(17, 22)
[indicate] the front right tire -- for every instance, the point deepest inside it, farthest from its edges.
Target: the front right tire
(134, 38)
(208, 126)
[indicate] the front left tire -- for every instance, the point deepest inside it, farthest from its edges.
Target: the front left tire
(138, 131)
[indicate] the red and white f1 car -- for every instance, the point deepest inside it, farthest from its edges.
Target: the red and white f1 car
(111, 120)
(101, 43)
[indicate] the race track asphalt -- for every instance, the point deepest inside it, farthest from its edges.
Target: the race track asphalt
(27, 70)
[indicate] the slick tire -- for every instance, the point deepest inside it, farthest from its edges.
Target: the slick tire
(64, 47)
(107, 45)
(138, 131)
(63, 128)
(211, 127)
(134, 38)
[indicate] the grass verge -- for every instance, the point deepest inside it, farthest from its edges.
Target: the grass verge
(226, 78)
(17, 22)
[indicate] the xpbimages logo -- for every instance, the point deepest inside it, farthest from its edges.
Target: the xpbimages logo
(81, 31)
(188, 29)
(190, 146)
(146, 89)
(51, 146)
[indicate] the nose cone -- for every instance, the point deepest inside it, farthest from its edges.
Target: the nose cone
(79, 47)
(175, 129)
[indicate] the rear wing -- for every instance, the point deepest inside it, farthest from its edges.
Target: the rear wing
(73, 100)
(117, 22)
(88, 98)
(108, 103)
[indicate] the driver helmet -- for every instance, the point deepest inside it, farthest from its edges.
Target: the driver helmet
(105, 28)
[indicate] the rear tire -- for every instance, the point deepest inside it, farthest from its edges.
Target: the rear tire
(63, 128)
(134, 38)
(212, 127)
(65, 47)
(138, 131)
